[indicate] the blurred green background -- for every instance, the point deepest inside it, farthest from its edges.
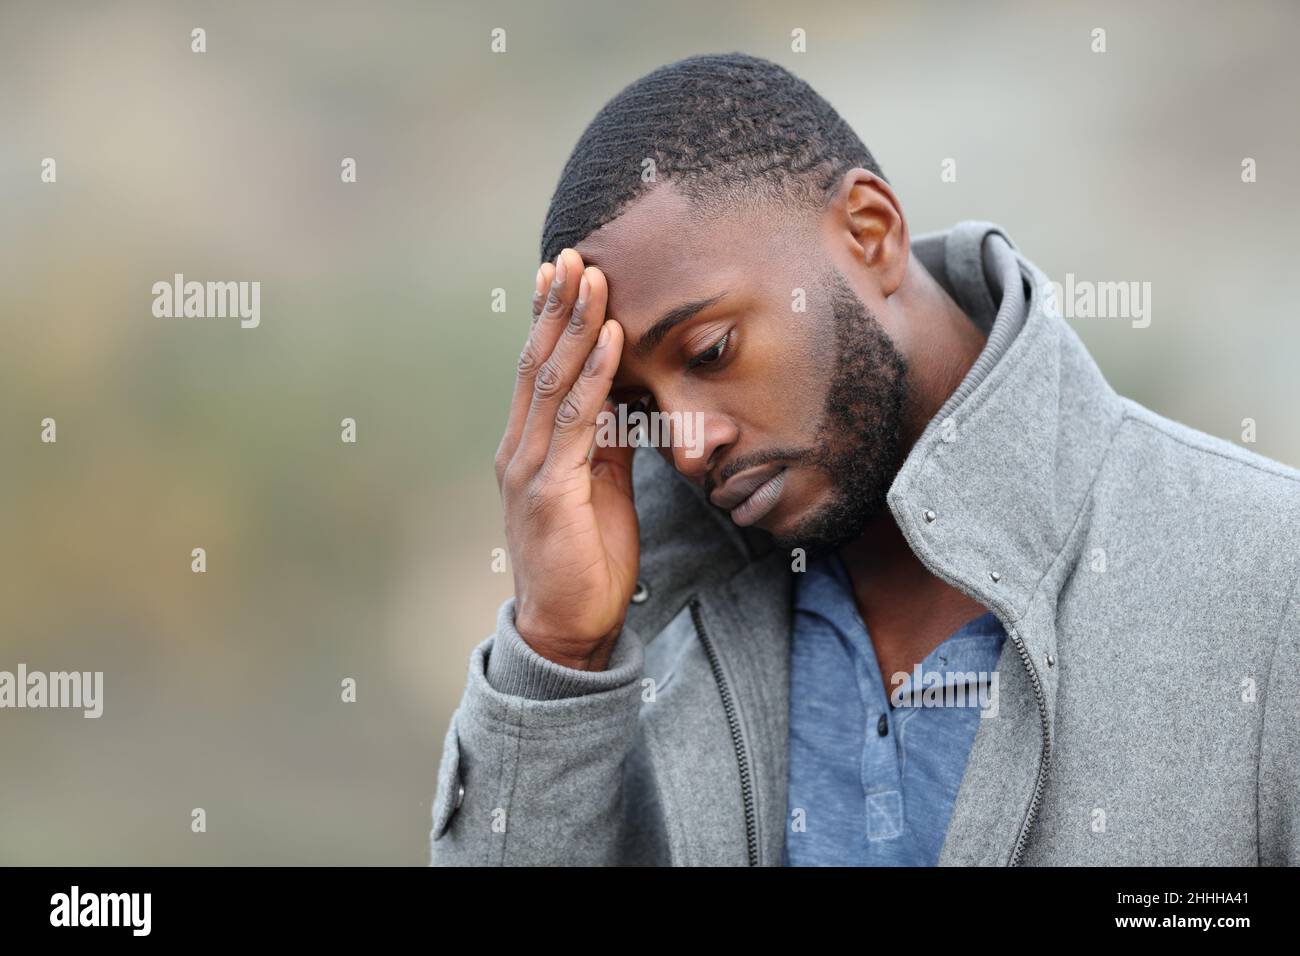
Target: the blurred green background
(373, 560)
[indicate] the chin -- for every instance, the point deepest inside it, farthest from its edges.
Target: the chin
(817, 523)
(792, 513)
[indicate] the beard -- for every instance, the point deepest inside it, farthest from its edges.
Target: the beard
(859, 440)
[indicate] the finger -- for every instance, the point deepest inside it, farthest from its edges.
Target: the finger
(557, 374)
(576, 418)
(551, 309)
(607, 408)
(544, 276)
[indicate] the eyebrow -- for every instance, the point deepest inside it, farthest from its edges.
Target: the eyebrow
(657, 332)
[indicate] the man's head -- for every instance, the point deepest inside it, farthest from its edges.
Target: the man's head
(754, 254)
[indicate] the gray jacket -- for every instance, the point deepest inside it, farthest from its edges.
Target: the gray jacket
(1146, 575)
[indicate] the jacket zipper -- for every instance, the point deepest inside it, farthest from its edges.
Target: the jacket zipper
(1041, 781)
(1045, 754)
(737, 738)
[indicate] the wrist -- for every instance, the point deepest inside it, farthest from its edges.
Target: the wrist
(565, 650)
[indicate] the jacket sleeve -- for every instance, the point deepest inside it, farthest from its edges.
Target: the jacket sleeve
(1279, 748)
(532, 764)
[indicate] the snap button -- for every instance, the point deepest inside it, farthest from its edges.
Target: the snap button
(1051, 661)
(930, 516)
(460, 795)
(641, 594)
(995, 576)
(882, 725)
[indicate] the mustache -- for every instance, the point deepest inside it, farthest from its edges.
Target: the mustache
(744, 462)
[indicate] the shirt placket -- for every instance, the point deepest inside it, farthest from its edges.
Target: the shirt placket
(882, 783)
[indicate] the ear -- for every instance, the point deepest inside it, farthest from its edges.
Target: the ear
(867, 214)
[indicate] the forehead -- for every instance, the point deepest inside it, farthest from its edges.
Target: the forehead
(660, 252)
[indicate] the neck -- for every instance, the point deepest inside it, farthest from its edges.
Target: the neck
(940, 344)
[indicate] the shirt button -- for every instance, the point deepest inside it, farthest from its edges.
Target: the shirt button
(882, 725)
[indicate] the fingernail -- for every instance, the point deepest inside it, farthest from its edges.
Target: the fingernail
(604, 333)
(541, 279)
(561, 270)
(583, 288)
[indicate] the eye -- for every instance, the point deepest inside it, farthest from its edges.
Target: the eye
(712, 354)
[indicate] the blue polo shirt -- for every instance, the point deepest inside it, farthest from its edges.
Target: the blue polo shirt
(871, 784)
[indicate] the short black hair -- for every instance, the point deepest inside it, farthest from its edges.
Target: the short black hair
(720, 126)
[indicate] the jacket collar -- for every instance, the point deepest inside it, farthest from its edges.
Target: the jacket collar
(992, 490)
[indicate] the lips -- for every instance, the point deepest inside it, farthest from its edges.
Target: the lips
(762, 501)
(741, 486)
(751, 494)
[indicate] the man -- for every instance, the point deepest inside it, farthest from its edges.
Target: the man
(910, 466)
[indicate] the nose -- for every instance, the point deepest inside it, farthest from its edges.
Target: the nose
(699, 440)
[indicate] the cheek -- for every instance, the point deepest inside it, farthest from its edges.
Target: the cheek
(789, 371)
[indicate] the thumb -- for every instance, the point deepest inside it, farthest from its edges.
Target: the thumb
(611, 460)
